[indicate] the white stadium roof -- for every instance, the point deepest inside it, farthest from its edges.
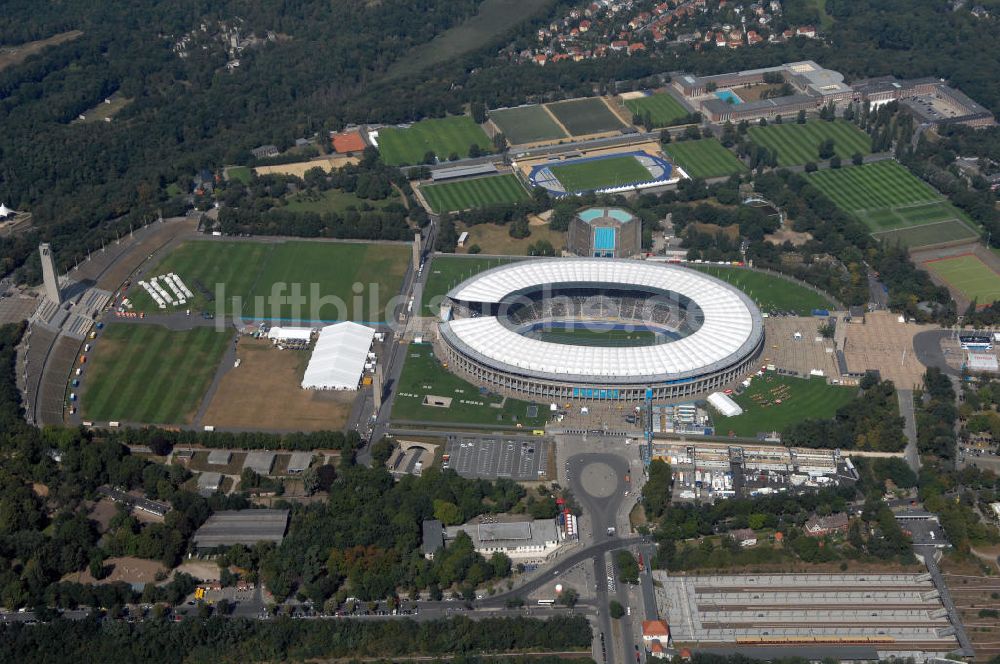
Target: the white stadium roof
(338, 360)
(732, 324)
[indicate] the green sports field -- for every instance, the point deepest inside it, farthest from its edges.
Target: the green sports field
(478, 192)
(239, 173)
(663, 109)
(442, 136)
(894, 204)
(423, 375)
(800, 399)
(446, 272)
(149, 374)
(770, 292)
(582, 336)
(323, 273)
(705, 158)
(585, 116)
(527, 124)
(799, 144)
(970, 276)
(596, 174)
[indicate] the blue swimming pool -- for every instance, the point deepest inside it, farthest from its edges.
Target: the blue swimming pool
(729, 97)
(604, 239)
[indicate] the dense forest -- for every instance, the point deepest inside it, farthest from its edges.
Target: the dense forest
(243, 640)
(313, 66)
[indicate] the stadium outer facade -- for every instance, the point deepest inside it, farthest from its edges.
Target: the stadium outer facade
(488, 347)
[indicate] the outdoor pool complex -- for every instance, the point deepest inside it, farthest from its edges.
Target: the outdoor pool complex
(729, 97)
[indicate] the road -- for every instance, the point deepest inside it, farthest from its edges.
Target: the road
(905, 398)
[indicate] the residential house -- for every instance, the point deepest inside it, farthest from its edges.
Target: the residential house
(825, 525)
(806, 31)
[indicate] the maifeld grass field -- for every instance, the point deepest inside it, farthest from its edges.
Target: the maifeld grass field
(448, 272)
(705, 158)
(149, 374)
(800, 399)
(799, 144)
(663, 109)
(250, 269)
(423, 375)
(894, 203)
(969, 275)
(478, 192)
(585, 116)
(601, 173)
(771, 293)
(442, 136)
(527, 124)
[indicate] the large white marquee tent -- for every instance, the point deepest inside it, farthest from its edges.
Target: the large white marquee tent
(338, 360)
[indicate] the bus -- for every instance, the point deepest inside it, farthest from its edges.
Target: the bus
(538, 432)
(546, 602)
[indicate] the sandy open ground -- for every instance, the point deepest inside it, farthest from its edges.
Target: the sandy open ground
(885, 344)
(127, 569)
(264, 392)
(299, 168)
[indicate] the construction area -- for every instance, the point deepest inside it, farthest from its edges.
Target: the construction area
(897, 615)
(795, 344)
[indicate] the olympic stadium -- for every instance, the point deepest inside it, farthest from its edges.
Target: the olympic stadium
(599, 329)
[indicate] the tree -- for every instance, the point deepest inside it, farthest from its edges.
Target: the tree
(857, 159)
(474, 249)
(810, 167)
(519, 228)
(447, 513)
(568, 597)
(834, 161)
(474, 150)
(478, 111)
(430, 157)
(382, 450)
(664, 136)
(801, 118)
(615, 609)
(826, 149)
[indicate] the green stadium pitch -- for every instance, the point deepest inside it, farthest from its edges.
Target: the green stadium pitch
(474, 193)
(442, 136)
(799, 144)
(250, 270)
(527, 124)
(969, 275)
(663, 109)
(149, 374)
(705, 158)
(894, 204)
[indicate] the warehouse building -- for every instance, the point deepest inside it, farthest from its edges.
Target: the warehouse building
(247, 527)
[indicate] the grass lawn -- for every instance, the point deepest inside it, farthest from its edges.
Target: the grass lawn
(894, 203)
(442, 136)
(333, 200)
(424, 375)
(800, 399)
(662, 108)
(705, 158)
(583, 176)
(970, 276)
(239, 173)
(478, 192)
(771, 293)
(448, 272)
(798, 144)
(585, 116)
(149, 374)
(249, 269)
(495, 239)
(527, 124)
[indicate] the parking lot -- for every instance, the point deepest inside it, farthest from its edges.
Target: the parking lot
(522, 459)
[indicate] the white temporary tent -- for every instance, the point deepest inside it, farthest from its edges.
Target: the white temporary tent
(338, 360)
(279, 334)
(724, 404)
